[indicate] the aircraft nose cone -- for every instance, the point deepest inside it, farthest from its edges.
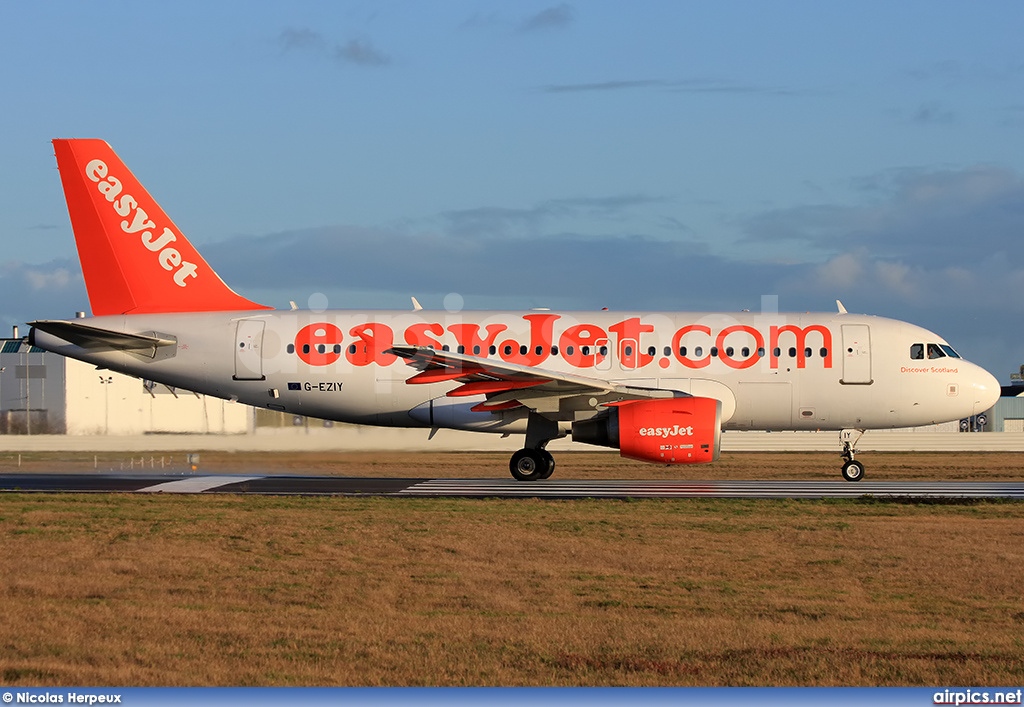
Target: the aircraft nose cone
(985, 389)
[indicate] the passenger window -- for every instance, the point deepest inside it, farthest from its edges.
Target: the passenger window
(699, 351)
(523, 350)
(745, 351)
(728, 351)
(568, 350)
(461, 349)
(792, 352)
(917, 351)
(291, 348)
(714, 351)
(476, 350)
(445, 348)
(823, 351)
(629, 351)
(305, 348)
(508, 350)
(337, 348)
(539, 350)
(554, 350)
(682, 350)
(603, 350)
(492, 350)
(808, 352)
(585, 350)
(321, 348)
(651, 351)
(760, 352)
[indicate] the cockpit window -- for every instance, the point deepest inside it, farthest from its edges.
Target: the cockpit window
(917, 351)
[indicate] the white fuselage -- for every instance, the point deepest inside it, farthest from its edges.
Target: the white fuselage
(771, 371)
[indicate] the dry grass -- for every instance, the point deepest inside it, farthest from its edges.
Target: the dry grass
(229, 590)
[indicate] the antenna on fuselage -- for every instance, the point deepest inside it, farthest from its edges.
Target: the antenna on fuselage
(416, 306)
(842, 309)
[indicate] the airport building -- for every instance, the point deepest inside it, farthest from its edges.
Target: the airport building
(43, 393)
(1008, 414)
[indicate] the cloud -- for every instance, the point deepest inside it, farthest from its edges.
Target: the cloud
(53, 290)
(950, 73)
(361, 53)
(564, 265)
(300, 39)
(603, 86)
(507, 222)
(689, 86)
(933, 247)
(937, 218)
(357, 52)
(932, 113)
(558, 17)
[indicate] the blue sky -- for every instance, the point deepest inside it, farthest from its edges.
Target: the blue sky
(669, 155)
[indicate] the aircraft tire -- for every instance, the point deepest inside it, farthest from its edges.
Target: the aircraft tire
(528, 464)
(551, 465)
(853, 470)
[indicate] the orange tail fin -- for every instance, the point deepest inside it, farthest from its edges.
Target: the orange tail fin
(135, 260)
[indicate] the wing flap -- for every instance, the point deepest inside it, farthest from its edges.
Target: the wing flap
(510, 385)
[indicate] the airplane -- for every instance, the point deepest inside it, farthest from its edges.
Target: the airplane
(658, 386)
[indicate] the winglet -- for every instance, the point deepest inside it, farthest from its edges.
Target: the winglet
(134, 259)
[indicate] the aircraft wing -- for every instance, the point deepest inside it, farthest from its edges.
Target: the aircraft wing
(510, 385)
(96, 339)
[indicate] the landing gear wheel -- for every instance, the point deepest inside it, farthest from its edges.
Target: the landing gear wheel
(551, 465)
(530, 464)
(853, 471)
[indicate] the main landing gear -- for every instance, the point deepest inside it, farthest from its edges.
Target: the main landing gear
(853, 470)
(533, 462)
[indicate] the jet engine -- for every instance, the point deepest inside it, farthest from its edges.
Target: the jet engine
(663, 431)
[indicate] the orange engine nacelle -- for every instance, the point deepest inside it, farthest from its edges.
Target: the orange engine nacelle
(663, 431)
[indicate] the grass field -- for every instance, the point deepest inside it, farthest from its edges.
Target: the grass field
(233, 590)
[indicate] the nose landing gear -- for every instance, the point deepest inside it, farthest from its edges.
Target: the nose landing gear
(852, 470)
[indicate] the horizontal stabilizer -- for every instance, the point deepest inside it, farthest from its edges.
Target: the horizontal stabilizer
(96, 339)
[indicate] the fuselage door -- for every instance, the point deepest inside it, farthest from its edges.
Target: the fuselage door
(249, 350)
(856, 355)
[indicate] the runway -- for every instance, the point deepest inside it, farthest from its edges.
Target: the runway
(271, 484)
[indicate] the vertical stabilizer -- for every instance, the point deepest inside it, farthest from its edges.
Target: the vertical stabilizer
(134, 259)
